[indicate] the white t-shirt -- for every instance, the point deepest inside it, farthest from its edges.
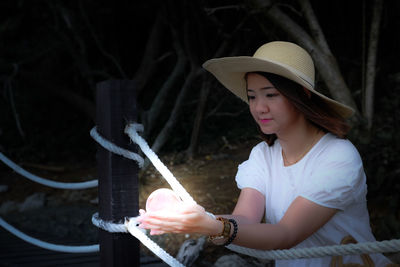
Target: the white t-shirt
(331, 174)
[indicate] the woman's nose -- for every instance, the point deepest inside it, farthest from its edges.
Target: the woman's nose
(261, 106)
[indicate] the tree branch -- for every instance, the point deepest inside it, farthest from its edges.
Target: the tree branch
(371, 63)
(315, 28)
(99, 45)
(80, 54)
(148, 63)
(8, 87)
(210, 11)
(176, 111)
(158, 103)
(194, 140)
(81, 103)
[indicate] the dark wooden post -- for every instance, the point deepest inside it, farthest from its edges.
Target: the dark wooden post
(118, 176)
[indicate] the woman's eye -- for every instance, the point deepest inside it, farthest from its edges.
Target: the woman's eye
(250, 97)
(272, 95)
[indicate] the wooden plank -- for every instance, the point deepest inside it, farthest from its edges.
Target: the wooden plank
(118, 181)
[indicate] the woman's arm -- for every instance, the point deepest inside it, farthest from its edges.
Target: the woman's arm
(250, 207)
(300, 221)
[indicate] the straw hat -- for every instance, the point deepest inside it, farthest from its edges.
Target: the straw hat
(282, 58)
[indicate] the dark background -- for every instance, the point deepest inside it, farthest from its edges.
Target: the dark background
(52, 54)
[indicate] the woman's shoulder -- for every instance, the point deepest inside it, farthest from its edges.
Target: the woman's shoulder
(264, 150)
(261, 146)
(338, 148)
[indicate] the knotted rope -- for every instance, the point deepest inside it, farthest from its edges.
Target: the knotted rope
(115, 149)
(130, 225)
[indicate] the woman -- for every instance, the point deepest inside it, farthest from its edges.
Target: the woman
(307, 179)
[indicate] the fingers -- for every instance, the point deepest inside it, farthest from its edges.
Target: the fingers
(162, 216)
(183, 220)
(156, 232)
(184, 211)
(160, 227)
(185, 208)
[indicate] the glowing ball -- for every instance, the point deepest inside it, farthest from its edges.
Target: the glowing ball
(163, 199)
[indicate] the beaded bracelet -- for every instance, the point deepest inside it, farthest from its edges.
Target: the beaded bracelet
(235, 229)
(226, 230)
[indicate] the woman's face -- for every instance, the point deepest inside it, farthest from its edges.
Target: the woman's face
(269, 108)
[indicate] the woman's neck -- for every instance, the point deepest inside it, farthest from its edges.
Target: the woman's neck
(297, 142)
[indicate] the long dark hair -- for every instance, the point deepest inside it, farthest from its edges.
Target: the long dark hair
(314, 108)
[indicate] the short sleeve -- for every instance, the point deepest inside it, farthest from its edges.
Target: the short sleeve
(251, 173)
(338, 179)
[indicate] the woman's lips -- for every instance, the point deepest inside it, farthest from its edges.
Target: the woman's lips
(265, 120)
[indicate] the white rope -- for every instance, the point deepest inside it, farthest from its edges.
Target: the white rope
(46, 245)
(108, 226)
(131, 226)
(131, 130)
(317, 252)
(46, 182)
(115, 149)
(150, 244)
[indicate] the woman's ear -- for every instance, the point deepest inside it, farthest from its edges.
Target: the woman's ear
(308, 93)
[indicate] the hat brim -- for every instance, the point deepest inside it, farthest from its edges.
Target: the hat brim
(230, 71)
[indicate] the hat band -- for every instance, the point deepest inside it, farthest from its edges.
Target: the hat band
(312, 85)
(295, 71)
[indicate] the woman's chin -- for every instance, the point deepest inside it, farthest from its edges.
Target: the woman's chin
(267, 131)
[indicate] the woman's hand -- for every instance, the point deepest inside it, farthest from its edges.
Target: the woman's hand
(183, 218)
